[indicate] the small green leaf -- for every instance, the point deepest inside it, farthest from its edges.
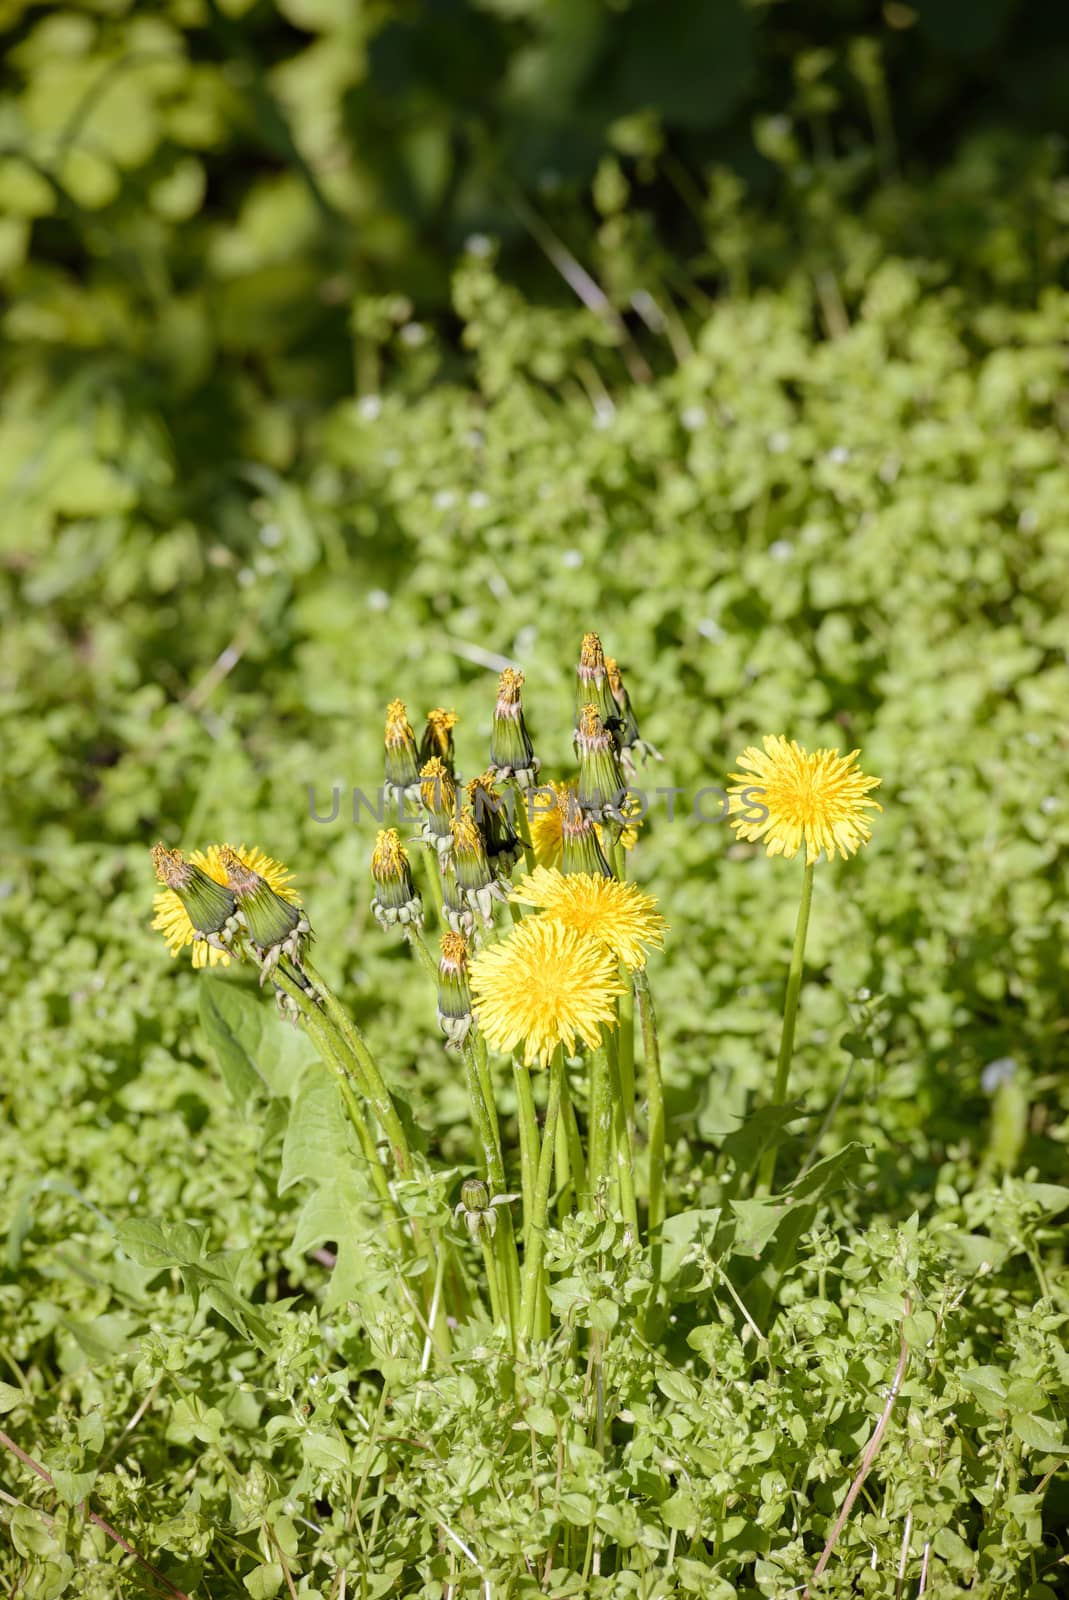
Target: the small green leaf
(233, 1023)
(264, 1581)
(10, 1397)
(1039, 1432)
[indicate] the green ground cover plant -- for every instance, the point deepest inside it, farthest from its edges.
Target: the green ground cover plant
(821, 495)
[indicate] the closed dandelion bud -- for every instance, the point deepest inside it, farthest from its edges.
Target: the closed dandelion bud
(475, 877)
(276, 927)
(580, 845)
(437, 740)
(454, 995)
(511, 752)
(402, 760)
(600, 789)
(592, 680)
(206, 909)
(396, 899)
(494, 821)
(455, 909)
(438, 797)
(476, 1207)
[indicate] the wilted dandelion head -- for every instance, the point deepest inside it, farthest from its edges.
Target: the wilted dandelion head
(817, 797)
(618, 915)
(545, 985)
(172, 918)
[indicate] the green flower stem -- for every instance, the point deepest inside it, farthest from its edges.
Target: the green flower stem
(534, 1285)
(486, 1083)
(561, 1165)
(494, 1166)
(576, 1160)
(622, 1143)
(766, 1172)
(523, 830)
(626, 1051)
(330, 1051)
(419, 945)
(498, 1311)
(373, 1087)
(434, 878)
(599, 1135)
(528, 1124)
(370, 1079)
(655, 1112)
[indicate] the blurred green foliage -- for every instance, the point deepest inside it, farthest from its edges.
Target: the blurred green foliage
(302, 410)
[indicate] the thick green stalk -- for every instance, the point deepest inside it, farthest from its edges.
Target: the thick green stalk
(621, 1139)
(494, 1167)
(534, 1285)
(766, 1172)
(498, 1309)
(576, 1160)
(561, 1167)
(599, 1133)
(528, 1126)
(370, 1079)
(434, 878)
(655, 1114)
(486, 1083)
(627, 1046)
(523, 830)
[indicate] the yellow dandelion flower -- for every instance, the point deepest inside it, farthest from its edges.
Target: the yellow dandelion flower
(618, 915)
(172, 918)
(545, 985)
(817, 797)
(546, 822)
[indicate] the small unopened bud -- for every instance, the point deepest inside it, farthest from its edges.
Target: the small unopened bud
(477, 1208)
(511, 752)
(437, 740)
(396, 899)
(493, 818)
(402, 761)
(580, 843)
(454, 993)
(438, 798)
(592, 682)
(600, 789)
(476, 880)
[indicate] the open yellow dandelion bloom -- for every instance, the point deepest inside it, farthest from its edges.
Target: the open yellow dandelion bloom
(172, 918)
(817, 797)
(546, 822)
(545, 985)
(618, 915)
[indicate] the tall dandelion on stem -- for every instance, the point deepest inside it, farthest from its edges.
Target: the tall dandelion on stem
(818, 799)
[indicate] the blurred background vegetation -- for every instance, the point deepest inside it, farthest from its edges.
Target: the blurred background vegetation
(230, 213)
